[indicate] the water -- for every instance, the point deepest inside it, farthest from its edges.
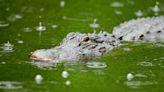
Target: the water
(36, 24)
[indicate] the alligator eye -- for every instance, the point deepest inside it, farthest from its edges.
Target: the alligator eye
(86, 40)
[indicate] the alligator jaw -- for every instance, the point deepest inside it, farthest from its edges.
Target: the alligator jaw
(42, 56)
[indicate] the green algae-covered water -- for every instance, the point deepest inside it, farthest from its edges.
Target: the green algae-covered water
(27, 25)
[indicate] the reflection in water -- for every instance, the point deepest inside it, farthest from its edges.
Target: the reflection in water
(45, 65)
(127, 49)
(137, 84)
(93, 64)
(137, 80)
(10, 85)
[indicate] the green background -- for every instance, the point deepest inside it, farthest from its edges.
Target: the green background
(144, 60)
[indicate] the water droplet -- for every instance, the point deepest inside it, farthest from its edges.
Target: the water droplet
(41, 9)
(38, 79)
(117, 4)
(54, 26)
(68, 83)
(65, 74)
(155, 9)
(94, 24)
(7, 47)
(129, 76)
(7, 9)
(20, 42)
(62, 3)
(40, 27)
(138, 13)
(3, 63)
(118, 12)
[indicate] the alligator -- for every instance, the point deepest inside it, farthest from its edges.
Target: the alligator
(78, 46)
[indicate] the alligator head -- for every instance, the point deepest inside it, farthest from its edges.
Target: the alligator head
(77, 46)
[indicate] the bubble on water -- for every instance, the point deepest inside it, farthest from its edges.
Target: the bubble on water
(62, 3)
(68, 82)
(93, 64)
(137, 84)
(7, 47)
(117, 4)
(118, 12)
(10, 85)
(65, 74)
(40, 27)
(64, 17)
(129, 76)
(138, 13)
(54, 26)
(3, 24)
(38, 79)
(20, 42)
(41, 9)
(3, 63)
(144, 63)
(40, 16)
(94, 24)
(7, 9)
(14, 17)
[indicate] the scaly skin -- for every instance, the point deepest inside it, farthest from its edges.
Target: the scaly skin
(77, 46)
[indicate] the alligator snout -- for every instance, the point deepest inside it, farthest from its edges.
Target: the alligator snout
(42, 55)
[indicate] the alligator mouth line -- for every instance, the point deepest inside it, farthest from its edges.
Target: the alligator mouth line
(45, 59)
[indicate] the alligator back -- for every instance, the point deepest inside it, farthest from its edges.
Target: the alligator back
(141, 29)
